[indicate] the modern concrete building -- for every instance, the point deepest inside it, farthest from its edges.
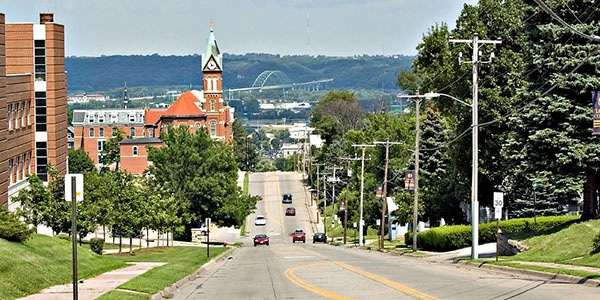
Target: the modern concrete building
(143, 127)
(33, 102)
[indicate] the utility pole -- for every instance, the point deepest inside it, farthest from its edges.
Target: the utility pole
(475, 142)
(387, 145)
(346, 201)
(418, 100)
(361, 222)
(318, 169)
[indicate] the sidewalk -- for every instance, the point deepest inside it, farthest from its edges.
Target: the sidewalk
(93, 288)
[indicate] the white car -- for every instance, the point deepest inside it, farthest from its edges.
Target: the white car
(260, 220)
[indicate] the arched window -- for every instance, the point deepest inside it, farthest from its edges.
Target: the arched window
(134, 150)
(91, 132)
(132, 131)
(213, 128)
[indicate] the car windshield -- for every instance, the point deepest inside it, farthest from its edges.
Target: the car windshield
(260, 236)
(260, 217)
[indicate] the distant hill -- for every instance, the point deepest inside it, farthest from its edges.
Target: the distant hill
(90, 74)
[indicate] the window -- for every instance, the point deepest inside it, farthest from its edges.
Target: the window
(101, 132)
(132, 131)
(91, 118)
(101, 118)
(100, 146)
(212, 105)
(114, 131)
(10, 170)
(28, 112)
(18, 166)
(213, 128)
(151, 132)
(22, 114)
(10, 116)
(16, 114)
(114, 118)
(131, 117)
(134, 150)
(91, 132)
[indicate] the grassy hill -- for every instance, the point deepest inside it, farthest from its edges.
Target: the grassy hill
(44, 261)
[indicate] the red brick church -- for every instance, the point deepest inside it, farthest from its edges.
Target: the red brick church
(143, 127)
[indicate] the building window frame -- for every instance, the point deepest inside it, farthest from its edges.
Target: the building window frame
(92, 132)
(101, 132)
(132, 131)
(134, 151)
(213, 128)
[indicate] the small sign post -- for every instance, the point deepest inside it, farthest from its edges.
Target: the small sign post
(74, 194)
(207, 224)
(498, 204)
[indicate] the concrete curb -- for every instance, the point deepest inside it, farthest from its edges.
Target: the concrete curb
(533, 273)
(169, 292)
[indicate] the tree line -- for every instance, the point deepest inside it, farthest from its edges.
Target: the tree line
(535, 118)
(191, 178)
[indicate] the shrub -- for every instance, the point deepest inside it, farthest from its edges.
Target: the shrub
(596, 245)
(97, 245)
(454, 237)
(11, 228)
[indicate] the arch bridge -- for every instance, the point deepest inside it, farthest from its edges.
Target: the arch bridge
(273, 80)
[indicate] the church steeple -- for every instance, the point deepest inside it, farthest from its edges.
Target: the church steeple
(212, 59)
(125, 97)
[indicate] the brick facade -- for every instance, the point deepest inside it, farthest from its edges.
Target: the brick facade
(33, 103)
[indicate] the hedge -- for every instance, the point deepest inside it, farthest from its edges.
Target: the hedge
(454, 237)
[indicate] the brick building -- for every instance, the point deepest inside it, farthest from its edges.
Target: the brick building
(143, 127)
(33, 102)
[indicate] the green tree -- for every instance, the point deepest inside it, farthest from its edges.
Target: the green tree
(57, 211)
(33, 201)
(111, 154)
(80, 162)
(202, 175)
(551, 142)
(335, 114)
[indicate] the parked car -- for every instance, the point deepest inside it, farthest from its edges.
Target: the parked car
(299, 235)
(319, 237)
(290, 211)
(261, 239)
(260, 220)
(287, 198)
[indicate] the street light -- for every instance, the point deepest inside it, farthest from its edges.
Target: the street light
(474, 172)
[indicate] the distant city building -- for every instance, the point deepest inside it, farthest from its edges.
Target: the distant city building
(33, 98)
(143, 127)
(84, 98)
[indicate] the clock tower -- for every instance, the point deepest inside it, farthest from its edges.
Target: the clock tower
(213, 105)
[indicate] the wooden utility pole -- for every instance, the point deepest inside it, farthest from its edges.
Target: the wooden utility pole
(387, 145)
(361, 222)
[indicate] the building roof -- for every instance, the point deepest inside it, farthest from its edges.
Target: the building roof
(188, 104)
(212, 50)
(144, 140)
(153, 115)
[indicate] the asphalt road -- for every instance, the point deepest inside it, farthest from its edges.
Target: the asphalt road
(286, 270)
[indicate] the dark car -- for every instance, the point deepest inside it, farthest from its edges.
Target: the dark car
(287, 198)
(290, 211)
(261, 239)
(319, 237)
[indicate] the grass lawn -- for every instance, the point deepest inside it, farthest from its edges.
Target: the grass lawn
(44, 261)
(181, 261)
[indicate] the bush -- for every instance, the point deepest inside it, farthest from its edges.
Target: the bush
(97, 245)
(11, 228)
(454, 237)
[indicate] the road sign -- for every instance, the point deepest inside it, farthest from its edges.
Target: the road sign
(498, 199)
(78, 187)
(498, 212)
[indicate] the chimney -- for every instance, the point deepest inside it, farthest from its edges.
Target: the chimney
(46, 18)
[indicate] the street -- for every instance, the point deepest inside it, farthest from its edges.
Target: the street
(286, 270)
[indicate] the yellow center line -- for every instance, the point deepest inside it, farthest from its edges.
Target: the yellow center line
(268, 215)
(291, 276)
(392, 284)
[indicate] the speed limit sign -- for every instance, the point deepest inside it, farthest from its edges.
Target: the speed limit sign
(498, 199)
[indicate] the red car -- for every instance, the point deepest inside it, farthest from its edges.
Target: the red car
(261, 239)
(299, 235)
(290, 211)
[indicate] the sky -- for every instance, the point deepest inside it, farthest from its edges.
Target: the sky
(285, 27)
